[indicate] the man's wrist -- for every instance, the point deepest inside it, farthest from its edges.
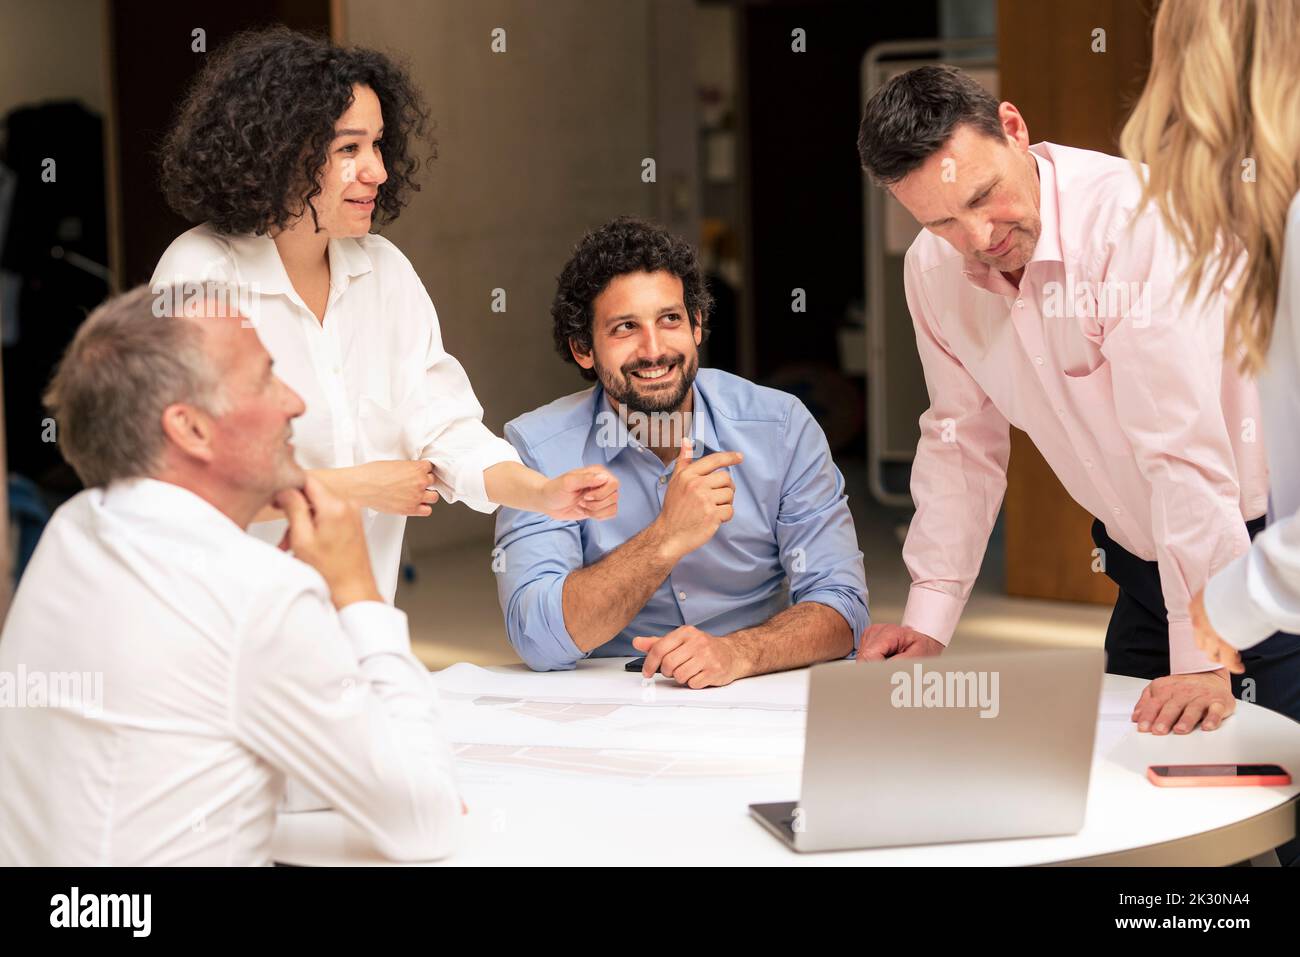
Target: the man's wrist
(665, 551)
(354, 590)
(1219, 672)
(742, 663)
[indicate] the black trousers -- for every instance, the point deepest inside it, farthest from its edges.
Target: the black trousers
(1137, 639)
(1137, 642)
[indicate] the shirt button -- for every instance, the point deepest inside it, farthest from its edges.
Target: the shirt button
(1060, 412)
(663, 479)
(1020, 303)
(1038, 360)
(681, 595)
(1087, 463)
(1117, 510)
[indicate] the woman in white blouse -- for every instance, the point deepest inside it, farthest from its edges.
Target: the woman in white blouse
(288, 150)
(1219, 126)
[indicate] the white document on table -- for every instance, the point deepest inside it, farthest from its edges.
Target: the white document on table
(604, 726)
(503, 720)
(787, 691)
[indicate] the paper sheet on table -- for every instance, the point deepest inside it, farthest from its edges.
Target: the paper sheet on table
(1118, 703)
(509, 721)
(1111, 730)
(603, 726)
(1113, 724)
(787, 691)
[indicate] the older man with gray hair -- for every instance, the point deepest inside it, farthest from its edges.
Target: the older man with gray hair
(224, 665)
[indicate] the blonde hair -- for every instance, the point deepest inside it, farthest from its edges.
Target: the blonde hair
(1218, 125)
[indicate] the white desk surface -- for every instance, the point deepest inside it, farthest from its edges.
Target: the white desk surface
(539, 818)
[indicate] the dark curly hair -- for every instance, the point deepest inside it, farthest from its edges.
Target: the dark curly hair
(622, 246)
(253, 132)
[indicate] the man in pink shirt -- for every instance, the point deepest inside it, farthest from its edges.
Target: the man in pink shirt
(1041, 301)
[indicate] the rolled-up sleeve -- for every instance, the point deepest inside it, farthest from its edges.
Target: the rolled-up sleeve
(532, 559)
(815, 537)
(455, 439)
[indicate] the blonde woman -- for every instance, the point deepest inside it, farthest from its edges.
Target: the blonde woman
(1218, 126)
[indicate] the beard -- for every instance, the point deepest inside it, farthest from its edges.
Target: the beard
(290, 474)
(1021, 249)
(285, 472)
(627, 390)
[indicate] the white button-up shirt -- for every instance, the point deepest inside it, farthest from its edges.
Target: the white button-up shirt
(374, 375)
(161, 672)
(1259, 593)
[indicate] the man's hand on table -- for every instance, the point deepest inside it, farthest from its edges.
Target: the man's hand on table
(691, 657)
(1180, 702)
(896, 641)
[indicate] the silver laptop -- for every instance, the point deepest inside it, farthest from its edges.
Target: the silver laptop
(967, 747)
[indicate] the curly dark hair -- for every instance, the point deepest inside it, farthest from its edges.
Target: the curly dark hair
(252, 135)
(622, 246)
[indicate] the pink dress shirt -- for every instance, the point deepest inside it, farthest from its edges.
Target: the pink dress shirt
(1122, 386)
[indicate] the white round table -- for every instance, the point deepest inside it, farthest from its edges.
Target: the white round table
(535, 818)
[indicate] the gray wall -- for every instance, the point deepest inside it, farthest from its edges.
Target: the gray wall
(536, 145)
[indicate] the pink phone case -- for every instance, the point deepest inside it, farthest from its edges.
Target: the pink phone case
(1215, 780)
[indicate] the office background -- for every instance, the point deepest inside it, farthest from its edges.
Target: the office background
(546, 113)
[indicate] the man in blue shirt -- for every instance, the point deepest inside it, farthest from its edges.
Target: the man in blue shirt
(733, 552)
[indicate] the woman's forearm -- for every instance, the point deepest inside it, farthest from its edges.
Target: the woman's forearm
(514, 486)
(341, 481)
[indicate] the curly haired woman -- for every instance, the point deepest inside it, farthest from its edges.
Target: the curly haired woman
(288, 150)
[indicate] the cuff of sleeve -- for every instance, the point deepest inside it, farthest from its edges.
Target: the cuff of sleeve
(848, 608)
(375, 628)
(1230, 608)
(535, 626)
(932, 613)
(464, 482)
(1184, 657)
(567, 651)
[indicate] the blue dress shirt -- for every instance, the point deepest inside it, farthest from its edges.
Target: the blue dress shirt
(791, 538)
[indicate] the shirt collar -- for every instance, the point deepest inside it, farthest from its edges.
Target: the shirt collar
(348, 260)
(153, 500)
(704, 438)
(261, 267)
(1048, 247)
